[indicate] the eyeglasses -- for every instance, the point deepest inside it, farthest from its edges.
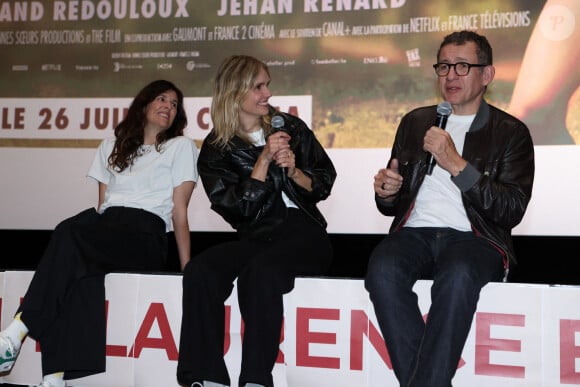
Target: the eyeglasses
(461, 68)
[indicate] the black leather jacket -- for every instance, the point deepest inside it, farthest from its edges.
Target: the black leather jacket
(496, 185)
(253, 207)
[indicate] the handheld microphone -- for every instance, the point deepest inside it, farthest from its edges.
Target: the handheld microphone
(278, 124)
(443, 112)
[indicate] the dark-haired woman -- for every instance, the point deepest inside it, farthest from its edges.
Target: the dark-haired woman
(146, 175)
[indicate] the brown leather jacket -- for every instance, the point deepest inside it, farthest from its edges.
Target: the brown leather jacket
(496, 185)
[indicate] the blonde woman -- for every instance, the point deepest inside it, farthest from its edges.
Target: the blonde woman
(265, 183)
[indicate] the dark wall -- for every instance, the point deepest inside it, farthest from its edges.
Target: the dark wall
(543, 259)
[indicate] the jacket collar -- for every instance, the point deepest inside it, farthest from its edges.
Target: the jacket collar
(481, 118)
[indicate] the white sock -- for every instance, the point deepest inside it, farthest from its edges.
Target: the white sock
(253, 385)
(55, 380)
(16, 331)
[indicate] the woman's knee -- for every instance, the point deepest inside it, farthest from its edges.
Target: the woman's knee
(195, 272)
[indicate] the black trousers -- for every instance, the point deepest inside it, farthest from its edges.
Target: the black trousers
(64, 306)
(265, 271)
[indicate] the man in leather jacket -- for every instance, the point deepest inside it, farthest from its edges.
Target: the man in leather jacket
(452, 225)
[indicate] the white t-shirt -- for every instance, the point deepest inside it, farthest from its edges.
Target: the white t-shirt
(438, 203)
(148, 183)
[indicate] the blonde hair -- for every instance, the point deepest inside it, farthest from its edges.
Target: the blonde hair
(235, 77)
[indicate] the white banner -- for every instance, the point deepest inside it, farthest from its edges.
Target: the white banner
(522, 335)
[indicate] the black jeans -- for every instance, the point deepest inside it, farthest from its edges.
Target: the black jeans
(265, 271)
(64, 306)
(426, 354)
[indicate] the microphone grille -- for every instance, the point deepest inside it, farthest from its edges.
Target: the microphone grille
(277, 122)
(444, 108)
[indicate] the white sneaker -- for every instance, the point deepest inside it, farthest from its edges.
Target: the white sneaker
(8, 353)
(45, 383)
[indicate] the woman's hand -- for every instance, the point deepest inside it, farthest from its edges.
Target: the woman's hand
(276, 145)
(285, 159)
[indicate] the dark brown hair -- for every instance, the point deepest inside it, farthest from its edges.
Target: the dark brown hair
(484, 52)
(129, 133)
